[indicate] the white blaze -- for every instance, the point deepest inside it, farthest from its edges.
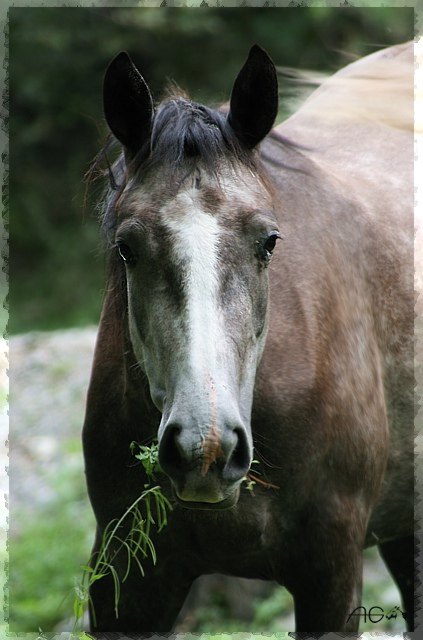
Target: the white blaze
(195, 240)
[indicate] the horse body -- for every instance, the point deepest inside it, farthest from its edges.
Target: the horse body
(330, 407)
(382, 140)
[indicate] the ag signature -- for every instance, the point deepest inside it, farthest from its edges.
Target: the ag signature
(376, 614)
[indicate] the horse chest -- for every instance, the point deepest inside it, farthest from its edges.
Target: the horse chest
(242, 541)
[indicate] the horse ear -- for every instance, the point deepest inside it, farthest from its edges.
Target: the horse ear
(127, 102)
(254, 98)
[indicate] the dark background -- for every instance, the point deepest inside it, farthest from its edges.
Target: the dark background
(57, 58)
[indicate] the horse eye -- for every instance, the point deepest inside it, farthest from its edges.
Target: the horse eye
(126, 253)
(270, 243)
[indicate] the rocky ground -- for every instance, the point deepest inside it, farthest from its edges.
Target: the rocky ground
(49, 375)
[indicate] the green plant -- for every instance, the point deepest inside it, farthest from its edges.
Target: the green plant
(148, 456)
(251, 479)
(148, 510)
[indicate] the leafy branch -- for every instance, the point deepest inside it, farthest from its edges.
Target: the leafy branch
(148, 510)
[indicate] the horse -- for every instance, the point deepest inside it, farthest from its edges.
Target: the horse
(258, 307)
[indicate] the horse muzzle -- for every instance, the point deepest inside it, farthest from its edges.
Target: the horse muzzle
(206, 467)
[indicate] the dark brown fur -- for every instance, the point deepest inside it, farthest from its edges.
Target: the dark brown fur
(332, 419)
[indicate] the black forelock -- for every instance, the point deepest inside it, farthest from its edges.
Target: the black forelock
(183, 133)
(183, 130)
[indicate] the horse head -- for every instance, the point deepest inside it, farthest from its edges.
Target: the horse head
(194, 228)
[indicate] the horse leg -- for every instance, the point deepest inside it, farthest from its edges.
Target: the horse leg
(145, 604)
(141, 603)
(325, 577)
(398, 556)
(328, 596)
(154, 606)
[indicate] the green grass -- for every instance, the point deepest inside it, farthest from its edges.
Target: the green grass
(47, 581)
(268, 614)
(55, 541)
(45, 558)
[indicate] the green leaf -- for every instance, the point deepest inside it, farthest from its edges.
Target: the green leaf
(98, 576)
(86, 568)
(78, 609)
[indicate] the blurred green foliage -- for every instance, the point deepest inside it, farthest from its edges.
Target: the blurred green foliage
(45, 557)
(57, 57)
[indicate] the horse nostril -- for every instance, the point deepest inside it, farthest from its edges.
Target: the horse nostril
(240, 459)
(183, 452)
(170, 453)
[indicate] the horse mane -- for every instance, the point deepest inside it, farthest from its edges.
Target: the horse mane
(377, 88)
